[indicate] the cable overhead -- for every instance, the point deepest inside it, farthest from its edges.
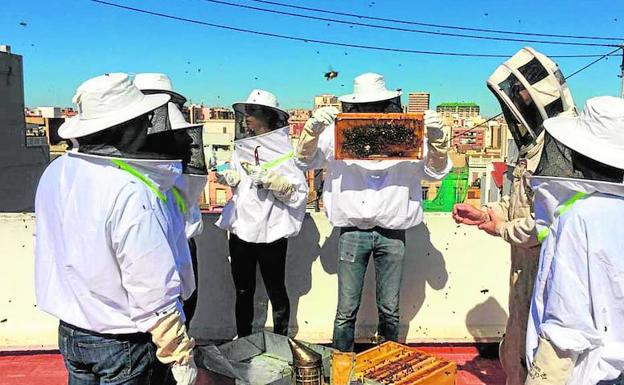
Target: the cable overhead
(594, 62)
(399, 21)
(400, 29)
(317, 41)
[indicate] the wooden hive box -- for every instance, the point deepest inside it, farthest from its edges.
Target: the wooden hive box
(393, 363)
(379, 136)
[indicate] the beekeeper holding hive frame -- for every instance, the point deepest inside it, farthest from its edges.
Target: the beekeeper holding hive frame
(372, 202)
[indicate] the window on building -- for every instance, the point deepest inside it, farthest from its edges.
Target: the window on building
(425, 193)
(35, 135)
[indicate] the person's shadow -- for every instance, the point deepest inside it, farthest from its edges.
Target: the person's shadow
(214, 318)
(480, 321)
(303, 251)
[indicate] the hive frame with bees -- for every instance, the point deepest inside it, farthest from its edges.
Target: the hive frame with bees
(394, 364)
(379, 136)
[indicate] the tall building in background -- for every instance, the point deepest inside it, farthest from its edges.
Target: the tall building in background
(418, 102)
(457, 110)
(24, 154)
(326, 100)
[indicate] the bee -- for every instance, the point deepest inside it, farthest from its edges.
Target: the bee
(331, 74)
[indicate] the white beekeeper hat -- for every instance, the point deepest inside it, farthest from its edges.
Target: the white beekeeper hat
(369, 87)
(157, 83)
(261, 98)
(106, 101)
(597, 133)
(177, 119)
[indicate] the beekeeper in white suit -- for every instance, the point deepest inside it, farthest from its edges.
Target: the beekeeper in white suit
(186, 140)
(171, 133)
(372, 202)
(109, 259)
(267, 207)
(575, 334)
(530, 88)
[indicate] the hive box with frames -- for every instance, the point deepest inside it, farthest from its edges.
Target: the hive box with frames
(377, 136)
(396, 364)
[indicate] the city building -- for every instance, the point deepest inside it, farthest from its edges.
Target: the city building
(418, 102)
(218, 113)
(458, 110)
(326, 100)
(468, 134)
(218, 137)
(298, 119)
(24, 154)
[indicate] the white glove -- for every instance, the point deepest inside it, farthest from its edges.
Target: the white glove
(258, 175)
(184, 374)
(228, 177)
(550, 366)
(321, 118)
(433, 125)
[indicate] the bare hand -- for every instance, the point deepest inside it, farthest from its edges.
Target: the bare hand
(491, 226)
(468, 214)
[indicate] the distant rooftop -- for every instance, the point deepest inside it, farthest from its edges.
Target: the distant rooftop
(458, 104)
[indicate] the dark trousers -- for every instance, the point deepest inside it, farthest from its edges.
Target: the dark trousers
(271, 257)
(190, 304)
(93, 359)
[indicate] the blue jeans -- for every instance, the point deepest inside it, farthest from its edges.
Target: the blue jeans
(94, 359)
(355, 248)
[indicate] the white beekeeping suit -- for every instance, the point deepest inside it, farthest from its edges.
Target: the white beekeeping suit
(269, 191)
(264, 215)
(574, 335)
(111, 254)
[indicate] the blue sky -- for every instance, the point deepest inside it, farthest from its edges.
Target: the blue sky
(68, 41)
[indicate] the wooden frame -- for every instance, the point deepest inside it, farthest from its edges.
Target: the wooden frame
(413, 148)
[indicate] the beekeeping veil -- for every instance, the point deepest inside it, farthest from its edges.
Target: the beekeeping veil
(175, 137)
(371, 95)
(530, 88)
(585, 154)
(158, 83)
(259, 114)
(184, 141)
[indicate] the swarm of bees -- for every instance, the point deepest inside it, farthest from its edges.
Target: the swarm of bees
(377, 139)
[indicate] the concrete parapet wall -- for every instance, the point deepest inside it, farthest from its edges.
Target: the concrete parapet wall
(454, 288)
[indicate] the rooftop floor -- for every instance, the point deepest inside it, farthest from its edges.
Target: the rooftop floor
(48, 368)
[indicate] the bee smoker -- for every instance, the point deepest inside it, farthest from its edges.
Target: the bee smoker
(307, 364)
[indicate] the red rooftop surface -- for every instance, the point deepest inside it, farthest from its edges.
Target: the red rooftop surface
(48, 368)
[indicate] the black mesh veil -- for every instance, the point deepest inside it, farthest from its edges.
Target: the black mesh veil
(560, 161)
(383, 106)
(255, 119)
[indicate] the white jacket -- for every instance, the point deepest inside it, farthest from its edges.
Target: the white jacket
(110, 255)
(191, 187)
(254, 214)
(578, 299)
(365, 194)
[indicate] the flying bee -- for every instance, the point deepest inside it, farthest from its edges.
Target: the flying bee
(331, 74)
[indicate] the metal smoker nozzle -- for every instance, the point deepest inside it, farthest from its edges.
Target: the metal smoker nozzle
(303, 355)
(307, 364)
